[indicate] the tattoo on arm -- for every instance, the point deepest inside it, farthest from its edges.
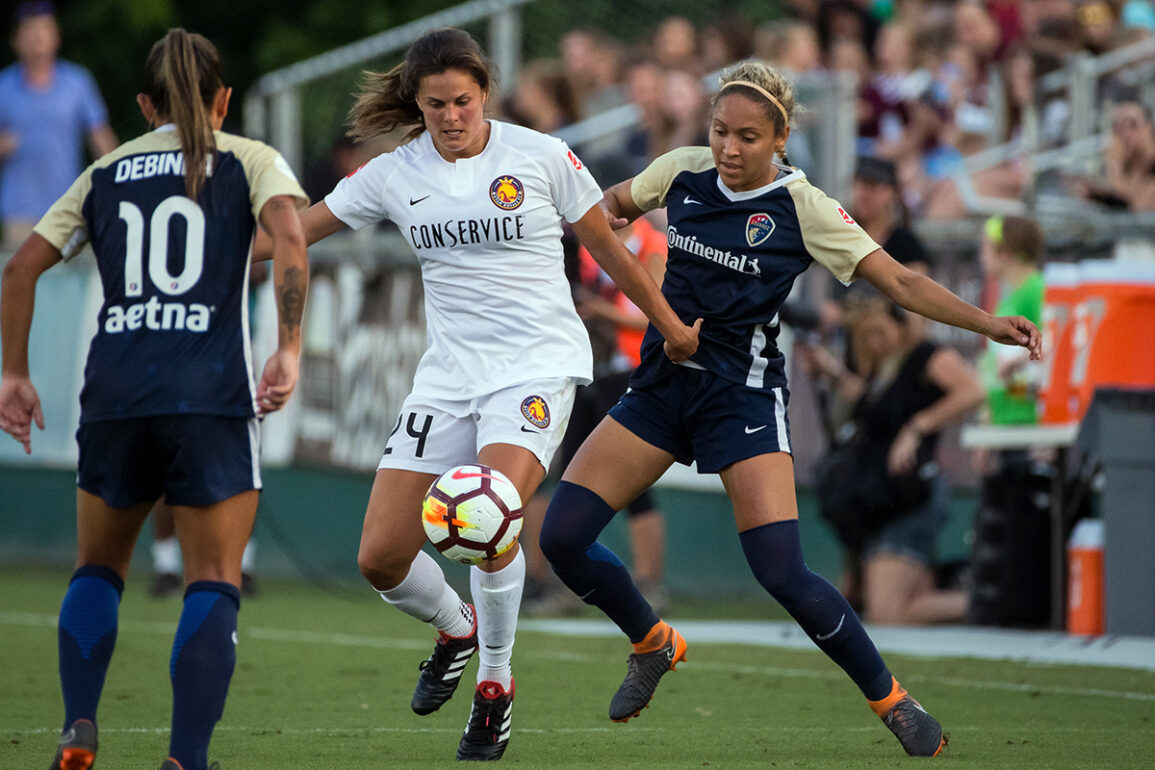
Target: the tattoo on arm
(291, 297)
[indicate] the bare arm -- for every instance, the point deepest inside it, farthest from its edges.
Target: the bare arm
(317, 222)
(962, 393)
(627, 272)
(19, 402)
(281, 219)
(101, 141)
(920, 294)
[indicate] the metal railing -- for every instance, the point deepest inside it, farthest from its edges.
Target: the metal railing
(273, 104)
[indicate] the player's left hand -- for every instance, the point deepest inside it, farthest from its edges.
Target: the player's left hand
(19, 408)
(1016, 330)
(903, 452)
(277, 381)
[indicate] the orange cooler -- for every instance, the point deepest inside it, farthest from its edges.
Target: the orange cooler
(1057, 401)
(1085, 578)
(1112, 318)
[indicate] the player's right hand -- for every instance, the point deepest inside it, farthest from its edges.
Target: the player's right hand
(685, 345)
(19, 408)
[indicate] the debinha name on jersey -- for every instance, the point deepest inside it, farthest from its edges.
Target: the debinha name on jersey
(467, 232)
(157, 316)
(692, 245)
(154, 164)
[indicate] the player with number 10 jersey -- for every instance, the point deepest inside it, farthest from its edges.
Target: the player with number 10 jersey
(173, 329)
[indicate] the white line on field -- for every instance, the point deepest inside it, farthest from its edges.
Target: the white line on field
(381, 642)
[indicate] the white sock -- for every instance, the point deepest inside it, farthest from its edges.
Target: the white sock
(425, 595)
(166, 556)
(248, 556)
(497, 598)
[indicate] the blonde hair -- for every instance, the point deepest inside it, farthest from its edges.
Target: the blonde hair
(388, 100)
(183, 76)
(763, 84)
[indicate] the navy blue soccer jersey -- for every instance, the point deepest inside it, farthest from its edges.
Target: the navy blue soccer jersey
(173, 332)
(733, 258)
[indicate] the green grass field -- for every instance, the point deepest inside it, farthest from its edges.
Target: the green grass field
(324, 680)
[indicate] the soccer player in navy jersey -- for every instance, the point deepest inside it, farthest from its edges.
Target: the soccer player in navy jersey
(741, 227)
(169, 405)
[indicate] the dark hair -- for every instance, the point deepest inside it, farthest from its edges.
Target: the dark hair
(182, 78)
(1024, 239)
(388, 100)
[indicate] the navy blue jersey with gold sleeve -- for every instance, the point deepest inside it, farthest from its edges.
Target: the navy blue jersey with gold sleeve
(173, 332)
(733, 258)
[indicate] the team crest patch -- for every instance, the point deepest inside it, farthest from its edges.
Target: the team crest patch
(536, 411)
(758, 228)
(507, 192)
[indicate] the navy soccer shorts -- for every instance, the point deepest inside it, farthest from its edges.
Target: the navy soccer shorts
(190, 459)
(698, 416)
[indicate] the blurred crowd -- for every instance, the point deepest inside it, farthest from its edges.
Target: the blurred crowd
(938, 81)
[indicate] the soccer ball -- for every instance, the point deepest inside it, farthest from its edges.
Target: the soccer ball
(472, 513)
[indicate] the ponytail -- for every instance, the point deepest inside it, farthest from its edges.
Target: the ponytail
(184, 76)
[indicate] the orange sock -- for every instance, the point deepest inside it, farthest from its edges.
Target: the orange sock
(657, 636)
(882, 707)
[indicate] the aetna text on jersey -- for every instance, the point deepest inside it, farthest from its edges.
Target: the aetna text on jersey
(467, 232)
(726, 258)
(157, 316)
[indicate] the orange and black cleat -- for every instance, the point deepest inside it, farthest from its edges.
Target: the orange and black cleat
(919, 733)
(661, 651)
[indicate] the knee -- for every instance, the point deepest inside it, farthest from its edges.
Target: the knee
(555, 545)
(383, 569)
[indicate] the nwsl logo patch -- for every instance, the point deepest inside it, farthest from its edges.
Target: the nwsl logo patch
(507, 192)
(758, 228)
(536, 411)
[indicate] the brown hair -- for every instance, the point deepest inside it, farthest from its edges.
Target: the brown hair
(388, 100)
(1024, 239)
(763, 79)
(182, 78)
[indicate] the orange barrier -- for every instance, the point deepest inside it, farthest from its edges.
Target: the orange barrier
(1114, 313)
(1095, 315)
(1085, 578)
(1057, 402)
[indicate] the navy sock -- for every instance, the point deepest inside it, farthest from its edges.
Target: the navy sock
(203, 655)
(575, 518)
(86, 637)
(774, 552)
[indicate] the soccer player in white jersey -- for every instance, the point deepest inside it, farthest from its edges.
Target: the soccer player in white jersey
(741, 228)
(169, 406)
(481, 202)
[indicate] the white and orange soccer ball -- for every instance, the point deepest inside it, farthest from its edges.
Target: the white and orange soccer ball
(472, 513)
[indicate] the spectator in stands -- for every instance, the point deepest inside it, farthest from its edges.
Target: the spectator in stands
(1011, 254)
(845, 20)
(792, 45)
(725, 41)
(684, 114)
(592, 61)
(543, 99)
(645, 84)
(675, 44)
(1099, 26)
(882, 489)
(1128, 161)
(48, 109)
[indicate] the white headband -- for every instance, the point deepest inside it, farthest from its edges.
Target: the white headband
(761, 90)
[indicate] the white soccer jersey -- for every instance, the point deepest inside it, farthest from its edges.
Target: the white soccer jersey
(487, 231)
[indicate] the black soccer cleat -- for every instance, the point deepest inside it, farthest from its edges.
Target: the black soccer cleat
(487, 733)
(441, 672)
(919, 733)
(645, 669)
(77, 747)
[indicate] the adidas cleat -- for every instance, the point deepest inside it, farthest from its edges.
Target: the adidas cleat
(77, 747)
(441, 672)
(645, 669)
(487, 733)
